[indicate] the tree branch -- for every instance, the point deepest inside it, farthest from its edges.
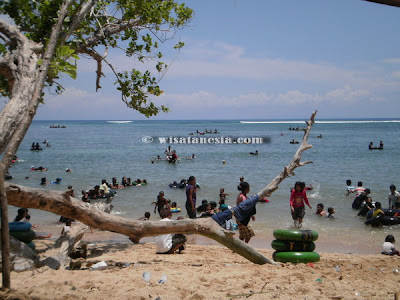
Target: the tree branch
(295, 162)
(84, 10)
(54, 201)
(106, 32)
(98, 58)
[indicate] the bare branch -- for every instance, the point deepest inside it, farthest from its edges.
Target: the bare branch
(295, 162)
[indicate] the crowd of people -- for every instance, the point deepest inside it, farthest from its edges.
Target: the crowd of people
(107, 190)
(370, 209)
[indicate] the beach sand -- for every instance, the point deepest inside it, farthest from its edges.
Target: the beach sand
(207, 272)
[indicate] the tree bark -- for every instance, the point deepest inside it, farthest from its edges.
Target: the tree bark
(5, 235)
(57, 256)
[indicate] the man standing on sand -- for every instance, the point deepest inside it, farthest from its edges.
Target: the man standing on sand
(191, 197)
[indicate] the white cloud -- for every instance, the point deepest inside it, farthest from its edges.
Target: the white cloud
(214, 59)
(204, 100)
(395, 60)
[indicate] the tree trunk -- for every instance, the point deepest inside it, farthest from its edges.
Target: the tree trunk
(5, 234)
(15, 118)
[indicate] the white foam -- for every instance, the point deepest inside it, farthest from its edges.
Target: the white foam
(119, 122)
(321, 122)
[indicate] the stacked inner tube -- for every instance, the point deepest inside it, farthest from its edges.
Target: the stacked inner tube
(295, 246)
(22, 232)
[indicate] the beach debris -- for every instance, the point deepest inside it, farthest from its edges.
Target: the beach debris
(99, 266)
(318, 280)
(337, 268)
(22, 264)
(163, 279)
(146, 276)
(395, 271)
(75, 265)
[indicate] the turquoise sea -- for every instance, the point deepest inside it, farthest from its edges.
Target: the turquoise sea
(103, 149)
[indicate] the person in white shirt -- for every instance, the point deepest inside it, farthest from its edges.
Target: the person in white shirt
(169, 243)
(388, 247)
(394, 196)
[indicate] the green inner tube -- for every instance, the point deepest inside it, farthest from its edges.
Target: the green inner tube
(296, 257)
(279, 245)
(24, 236)
(296, 235)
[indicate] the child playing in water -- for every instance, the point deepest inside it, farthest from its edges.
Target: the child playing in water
(350, 188)
(388, 247)
(331, 211)
(161, 202)
(222, 196)
(320, 210)
(378, 210)
(297, 198)
(146, 216)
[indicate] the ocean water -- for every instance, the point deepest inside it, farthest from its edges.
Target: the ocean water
(103, 149)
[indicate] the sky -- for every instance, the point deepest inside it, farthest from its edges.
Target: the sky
(260, 59)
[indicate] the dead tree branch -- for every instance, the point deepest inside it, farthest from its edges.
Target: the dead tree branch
(295, 162)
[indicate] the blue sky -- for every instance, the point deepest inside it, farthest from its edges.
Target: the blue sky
(262, 59)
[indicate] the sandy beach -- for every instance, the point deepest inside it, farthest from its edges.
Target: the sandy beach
(206, 272)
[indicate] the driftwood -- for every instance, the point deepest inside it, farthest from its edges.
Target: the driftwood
(57, 256)
(295, 163)
(62, 203)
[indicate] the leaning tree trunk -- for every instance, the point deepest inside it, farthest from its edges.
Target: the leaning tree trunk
(26, 79)
(62, 203)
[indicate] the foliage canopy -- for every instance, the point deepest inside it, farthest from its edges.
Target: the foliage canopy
(135, 27)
